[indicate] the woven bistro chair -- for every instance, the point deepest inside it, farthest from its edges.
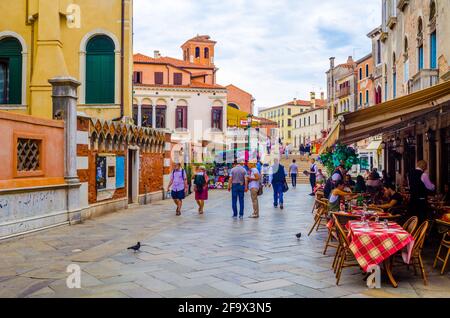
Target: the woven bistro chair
(343, 219)
(445, 243)
(320, 216)
(416, 254)
(345, 257)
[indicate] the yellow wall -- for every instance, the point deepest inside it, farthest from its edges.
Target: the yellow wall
(53, 49)
(283, 118)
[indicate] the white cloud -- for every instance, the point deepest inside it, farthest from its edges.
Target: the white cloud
(272, 48)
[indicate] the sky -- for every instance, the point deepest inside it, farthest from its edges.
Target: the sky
(277, 50)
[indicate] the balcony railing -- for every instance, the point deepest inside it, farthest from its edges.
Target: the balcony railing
(343, 92)
(423, 79)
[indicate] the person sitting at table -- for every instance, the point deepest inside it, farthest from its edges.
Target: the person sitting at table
(348, 181)
(374, 183)
(337, 195)
(394, 200)
(360, 186)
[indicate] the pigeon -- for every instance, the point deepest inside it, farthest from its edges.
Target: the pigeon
(135, 247)
(298, 235)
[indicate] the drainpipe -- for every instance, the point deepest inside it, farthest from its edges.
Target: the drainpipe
(122, 59)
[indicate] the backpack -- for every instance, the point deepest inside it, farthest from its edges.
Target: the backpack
(329, 186)
(199, 181)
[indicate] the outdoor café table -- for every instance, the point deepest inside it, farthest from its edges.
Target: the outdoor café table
(373, 244)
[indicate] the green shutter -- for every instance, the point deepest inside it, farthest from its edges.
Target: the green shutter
(11, 51)
(100, 71)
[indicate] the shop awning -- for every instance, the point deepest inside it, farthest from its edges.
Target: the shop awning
(235, 116)
(394, 114)
(333, 136)
(374, 145)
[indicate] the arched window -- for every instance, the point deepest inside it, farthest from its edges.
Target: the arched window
(432, 9)
(378, 95)
(367, 97)
(360, 73)
(394, 76)
(197, 52)
(367, 70)
(206, 53)
(10, 71)
(360, 99)
(420, 45)
(235, 106)
(100, 70)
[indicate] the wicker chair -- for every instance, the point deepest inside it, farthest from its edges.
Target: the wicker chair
(344, 256)
(445, 243)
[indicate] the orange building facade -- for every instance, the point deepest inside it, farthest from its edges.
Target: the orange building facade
(240, 99)
(364, 79)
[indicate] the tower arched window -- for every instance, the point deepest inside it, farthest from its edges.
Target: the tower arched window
(206, 53)
(197, 52)
(100, 70)
(420, 43)
(10, 71)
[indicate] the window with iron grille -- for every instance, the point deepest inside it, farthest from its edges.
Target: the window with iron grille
(28, 155)
(216, 118)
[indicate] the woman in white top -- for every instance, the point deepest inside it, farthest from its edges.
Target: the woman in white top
(254, 179)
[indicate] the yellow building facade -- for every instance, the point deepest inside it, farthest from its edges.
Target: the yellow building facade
(88, 40)
(283, 115)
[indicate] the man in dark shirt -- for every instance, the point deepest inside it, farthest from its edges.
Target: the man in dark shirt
(420, 187)
(393, 198)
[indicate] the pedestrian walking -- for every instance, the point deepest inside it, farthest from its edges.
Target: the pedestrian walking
(201, 188)
(178, 184)
(237, 184)
(253, 181)
(286, 151)
(312, 175)
(268, 145)
(278, 183)
(293, 171)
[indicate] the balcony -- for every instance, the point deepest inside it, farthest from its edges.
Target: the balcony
(423, 79)
(402, 4)
(392, 21)
(343, 92)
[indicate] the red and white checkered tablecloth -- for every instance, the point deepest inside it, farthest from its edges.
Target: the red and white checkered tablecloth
(373, 243)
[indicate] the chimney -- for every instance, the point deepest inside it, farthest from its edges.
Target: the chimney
(156, 54)
(313, 99)
(332, 62)
(295, 101)
(350, 59)
(322, 95)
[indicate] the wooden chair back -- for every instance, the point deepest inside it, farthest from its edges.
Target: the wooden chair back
(419, 237)
(411, 224)
(343, 218)
(342, 235)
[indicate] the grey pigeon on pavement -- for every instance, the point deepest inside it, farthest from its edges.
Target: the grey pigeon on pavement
(135, 247)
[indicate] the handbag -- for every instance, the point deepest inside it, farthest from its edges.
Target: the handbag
(260, 190)
(285, 187)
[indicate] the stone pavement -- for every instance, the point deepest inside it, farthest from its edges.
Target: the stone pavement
(211, 255)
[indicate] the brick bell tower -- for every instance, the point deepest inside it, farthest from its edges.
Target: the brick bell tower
(199, 50)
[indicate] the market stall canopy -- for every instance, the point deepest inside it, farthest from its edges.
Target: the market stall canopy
(236, 117)
(391, 115)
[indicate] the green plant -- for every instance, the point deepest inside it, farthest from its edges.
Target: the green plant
(339, 154)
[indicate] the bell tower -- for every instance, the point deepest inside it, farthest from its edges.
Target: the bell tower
(199, 50)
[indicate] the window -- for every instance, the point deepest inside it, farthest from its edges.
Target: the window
(181, 117)
(289, 122)
(360, 73)
(367, 70)
(10, 71)
(177, 78)
(394, 77)
(28, 159)
(197, 52)
(309, 121)
(289, 111)
(216, 118)
(282, 123)
(367, 97)
(360, 99)
(433, 50)
(206, 53)
(378, 95)
(100, 70)
(160, 116)
(315, 119)
(289, 134)
(146, 115)
(420, 57)
(137, 77)
(432, 10)
(378, 51)
(159, 78)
